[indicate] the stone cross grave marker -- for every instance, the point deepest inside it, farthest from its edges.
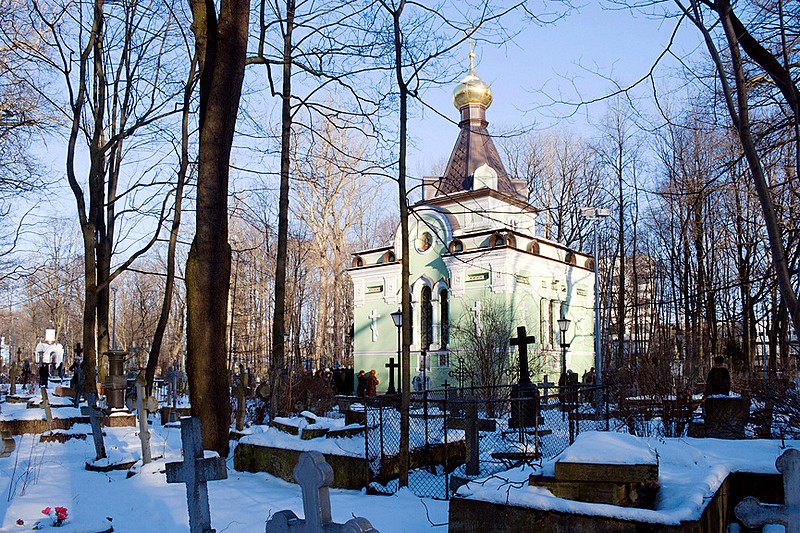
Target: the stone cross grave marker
(196, 471)
(47, 412)
(241, 391)
(755, 514)
(95, 414)
(471, 425)
(315, 475)
(143, 405)
(391, 365)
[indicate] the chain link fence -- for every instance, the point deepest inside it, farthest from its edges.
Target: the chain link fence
(455, 432)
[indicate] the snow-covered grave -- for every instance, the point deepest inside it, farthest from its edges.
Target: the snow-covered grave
(29, 416)
(695, 478)
(276, 448)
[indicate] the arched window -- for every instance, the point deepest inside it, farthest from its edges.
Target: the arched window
(426, 318)
(444, 307)
(456, 246)
(571, 258)
(358, 261)
(388, 257)
(497, 239)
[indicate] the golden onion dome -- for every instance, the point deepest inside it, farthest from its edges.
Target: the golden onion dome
(472, 89)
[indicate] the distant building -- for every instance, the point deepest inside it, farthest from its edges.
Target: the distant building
(473, 245)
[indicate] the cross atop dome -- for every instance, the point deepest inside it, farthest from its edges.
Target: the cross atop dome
(475, 162)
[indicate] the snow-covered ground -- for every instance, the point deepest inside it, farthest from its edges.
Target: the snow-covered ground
(49, 474)
(690, 472)
(39, 475)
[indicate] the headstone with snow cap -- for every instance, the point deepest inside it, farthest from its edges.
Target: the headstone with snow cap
(600, 467)
(196, 471)
(755, 514)
(315, 475)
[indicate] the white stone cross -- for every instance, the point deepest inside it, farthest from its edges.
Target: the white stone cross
(94, 413)
(143, 405)
(374, 316)
(315, 475)
(477, 308)
(195, 471)
(754, 514)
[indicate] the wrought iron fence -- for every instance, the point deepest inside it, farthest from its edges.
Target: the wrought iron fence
(448, 427)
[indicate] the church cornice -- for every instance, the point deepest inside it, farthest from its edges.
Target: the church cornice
(484, 192)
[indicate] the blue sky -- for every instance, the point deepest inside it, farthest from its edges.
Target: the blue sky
(568, 60)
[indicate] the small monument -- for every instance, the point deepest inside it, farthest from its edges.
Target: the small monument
(579, 476)
(143, 405)
(391, 365)
(524, 394)
(315, 475)
(472, 425)
(755, 514)
(196, 471)
(95, 414)
(116, 382)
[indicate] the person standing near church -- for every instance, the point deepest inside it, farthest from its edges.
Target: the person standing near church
(372, 383)
(362, 384)
(718, 382)
(26, 371)
(44, 374)
(77, 380)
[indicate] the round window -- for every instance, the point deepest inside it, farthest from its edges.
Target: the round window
(424, 242)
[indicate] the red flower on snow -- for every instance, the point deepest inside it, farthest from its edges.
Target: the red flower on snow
(46, 510)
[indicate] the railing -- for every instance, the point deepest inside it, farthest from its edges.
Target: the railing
(439, 433)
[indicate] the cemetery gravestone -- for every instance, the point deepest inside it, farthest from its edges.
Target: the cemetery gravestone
(755, 514)
(524, 394)
(472, 425)
(143, 405)
(95, 414)
(725, 417)
(115, 381)
(8, 444)
(196, 471)
(315, 475)
(241, 391)
(47, 412)
(391, 365)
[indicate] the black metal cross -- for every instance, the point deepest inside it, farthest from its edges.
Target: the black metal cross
(461, 373)
(471, 425)
(521, 342)
(391, 365)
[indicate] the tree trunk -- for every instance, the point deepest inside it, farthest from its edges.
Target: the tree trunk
(278, 362)
(221, 49)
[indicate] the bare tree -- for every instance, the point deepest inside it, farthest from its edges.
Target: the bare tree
(221, 48)
(727, 38)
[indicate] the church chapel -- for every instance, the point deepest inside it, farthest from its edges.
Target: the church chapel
(473, 250)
